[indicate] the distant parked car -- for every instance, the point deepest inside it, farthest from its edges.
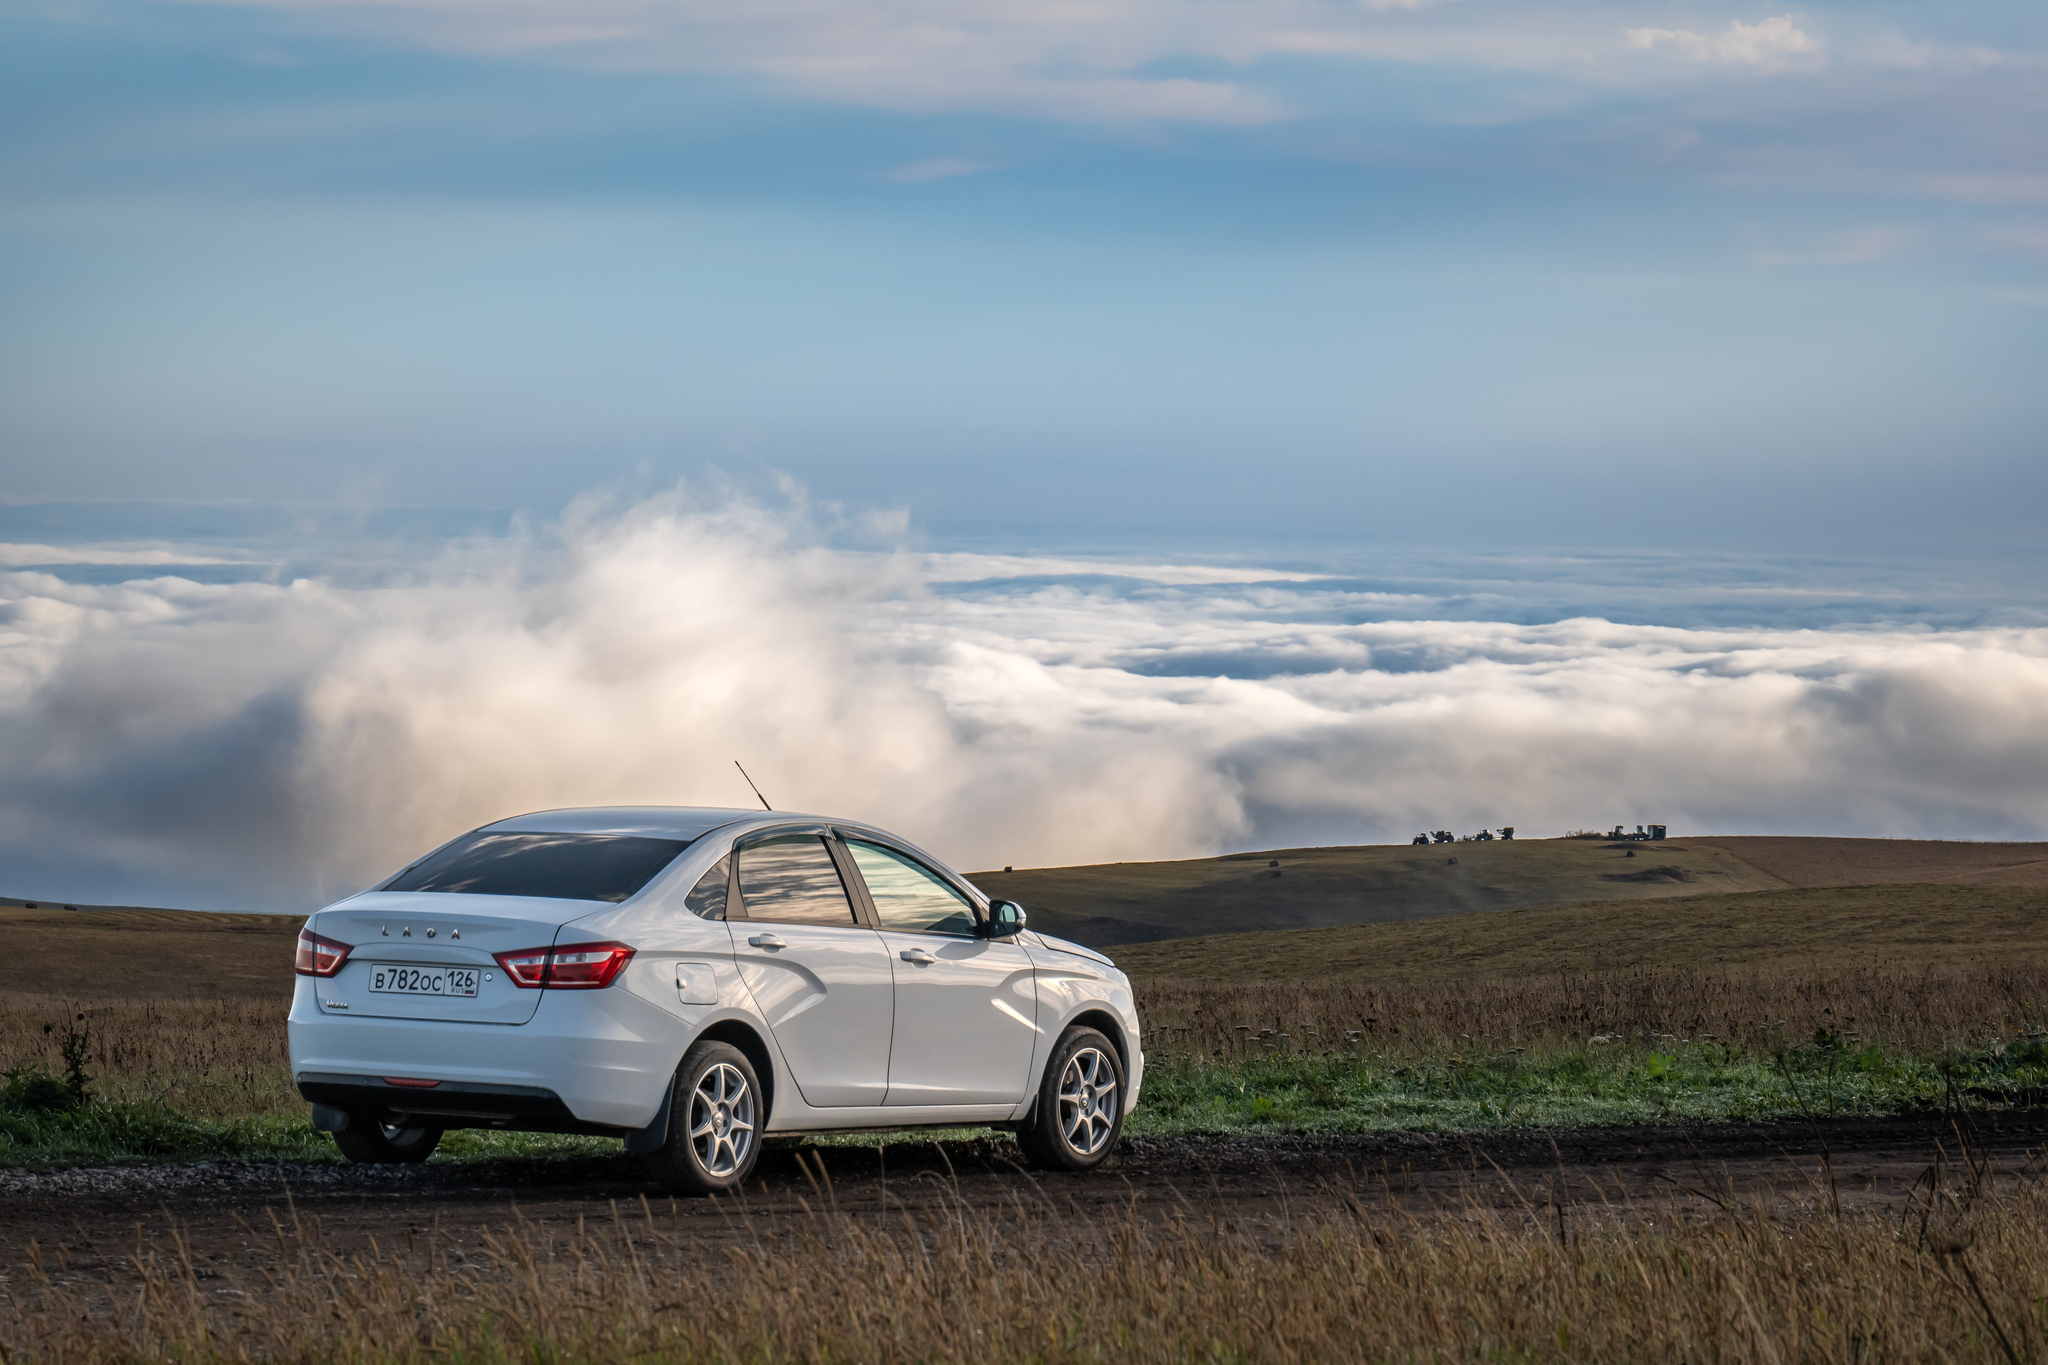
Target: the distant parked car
(692, 980)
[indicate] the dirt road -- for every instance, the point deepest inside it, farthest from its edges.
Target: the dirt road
(233, 1218)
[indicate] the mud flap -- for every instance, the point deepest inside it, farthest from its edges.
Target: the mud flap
(327, 1119)
(654, 1136)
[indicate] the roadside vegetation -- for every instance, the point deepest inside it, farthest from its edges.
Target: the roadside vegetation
(1350, 1275)
(122, 1081)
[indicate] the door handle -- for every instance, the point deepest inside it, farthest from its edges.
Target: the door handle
(765, 941)
(917, 955)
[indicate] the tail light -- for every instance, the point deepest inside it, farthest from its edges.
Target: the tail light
(571, 967)
(319, 956)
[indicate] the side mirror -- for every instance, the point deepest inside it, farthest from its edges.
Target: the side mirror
(1006, 919)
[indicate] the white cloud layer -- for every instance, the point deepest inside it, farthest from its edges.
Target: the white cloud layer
(255, 743)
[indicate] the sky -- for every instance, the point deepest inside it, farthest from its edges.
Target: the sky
(1213, 423)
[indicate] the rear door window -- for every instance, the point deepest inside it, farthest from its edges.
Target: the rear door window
(792, 879)
(909, 896)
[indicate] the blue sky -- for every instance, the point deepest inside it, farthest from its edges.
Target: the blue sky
(1143, 270)
(1067, 431)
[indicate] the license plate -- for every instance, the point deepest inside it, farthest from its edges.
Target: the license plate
(396, 980)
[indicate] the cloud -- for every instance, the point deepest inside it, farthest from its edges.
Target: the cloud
(1772, 42)
(22, 554)
(258, 744)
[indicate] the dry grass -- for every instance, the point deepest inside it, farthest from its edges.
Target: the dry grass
(1913, 1010)
(1948, 926)
(204, 1058)
(1348, 1275)
(1120, 903)
(161, 953)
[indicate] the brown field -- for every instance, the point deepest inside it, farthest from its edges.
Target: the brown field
(1346, 1272)
(1807, 861)
(1124, 903)
(144, 954)
(1927, 926)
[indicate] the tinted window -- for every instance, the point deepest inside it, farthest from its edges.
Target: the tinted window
(707, 897)
(576, 867)
(793, 879)
(908, 895)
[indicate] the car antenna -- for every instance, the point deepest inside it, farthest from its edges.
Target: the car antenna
(750, 783)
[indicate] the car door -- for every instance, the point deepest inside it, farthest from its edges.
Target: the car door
(966, 1006)
(819, 976)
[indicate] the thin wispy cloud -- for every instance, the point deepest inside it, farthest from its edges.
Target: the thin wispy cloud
(1773, 42)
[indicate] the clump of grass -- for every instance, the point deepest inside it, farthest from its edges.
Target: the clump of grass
(1348, 1275)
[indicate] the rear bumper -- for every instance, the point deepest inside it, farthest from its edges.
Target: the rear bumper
(588, 1061)
(451, 1104)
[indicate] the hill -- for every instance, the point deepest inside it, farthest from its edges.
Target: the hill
(1804, 926)
(139, 952)
(1807, 861)
(1124, 903)
(1299, 888)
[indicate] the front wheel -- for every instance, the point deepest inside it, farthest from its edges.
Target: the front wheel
(714, 1126)
(381, 1144)
(1080, 1110)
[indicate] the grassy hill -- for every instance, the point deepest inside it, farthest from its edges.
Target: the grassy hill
(1925, 925)
(137, 952)
(1397, 909)
(1126, 903)
(1120, 903)
(1805, 861)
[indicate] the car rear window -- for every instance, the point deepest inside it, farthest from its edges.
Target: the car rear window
(574, 867)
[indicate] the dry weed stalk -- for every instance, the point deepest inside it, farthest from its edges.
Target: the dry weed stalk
(1355, 1278)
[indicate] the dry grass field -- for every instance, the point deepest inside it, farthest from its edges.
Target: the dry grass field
(1350, 1275)
(1809, 861)
(1118, 903)
(1827, 927)
(1642, 1001)
(148, 954)
(1124, 903)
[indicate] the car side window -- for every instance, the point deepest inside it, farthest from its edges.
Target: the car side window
(792, 878)
(707, 898)
(909, 896)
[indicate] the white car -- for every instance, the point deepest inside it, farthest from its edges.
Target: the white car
(692, 980)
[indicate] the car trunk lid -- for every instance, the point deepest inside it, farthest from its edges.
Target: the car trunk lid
(436, 932)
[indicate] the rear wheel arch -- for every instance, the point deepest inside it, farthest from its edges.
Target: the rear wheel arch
(737, 1033)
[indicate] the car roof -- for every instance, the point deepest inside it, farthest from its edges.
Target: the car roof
(689, 823)
(654, 822)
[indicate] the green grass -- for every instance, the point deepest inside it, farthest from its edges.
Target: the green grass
(1659, 1079)
(1654, 1080)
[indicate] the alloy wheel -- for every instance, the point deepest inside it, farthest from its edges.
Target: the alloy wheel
(1088, 1101)
(722, 1119)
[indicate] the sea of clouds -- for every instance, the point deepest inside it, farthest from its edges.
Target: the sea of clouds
(275, 742)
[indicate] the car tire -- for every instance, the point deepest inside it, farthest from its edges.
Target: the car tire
(369, 1143)
(1079, 1113)
(714, 1125)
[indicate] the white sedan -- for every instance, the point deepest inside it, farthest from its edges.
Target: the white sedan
(692, 980)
